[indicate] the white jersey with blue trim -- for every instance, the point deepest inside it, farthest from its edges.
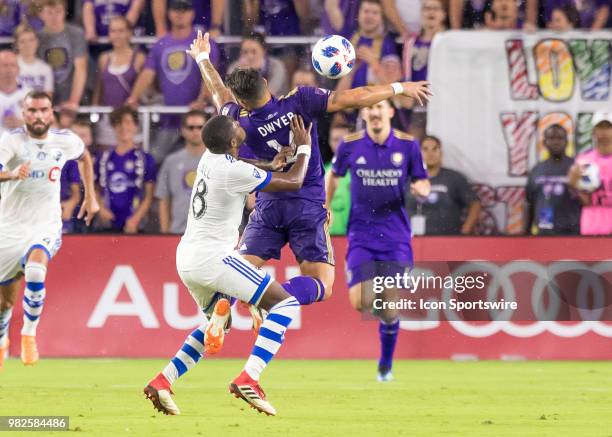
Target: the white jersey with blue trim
(215, 211)
(34, 203)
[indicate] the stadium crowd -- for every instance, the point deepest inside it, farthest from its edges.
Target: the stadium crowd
(82, 53)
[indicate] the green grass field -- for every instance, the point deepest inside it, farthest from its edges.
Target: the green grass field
(322, 398)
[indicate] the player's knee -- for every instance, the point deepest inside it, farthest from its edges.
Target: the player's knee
(355, 298)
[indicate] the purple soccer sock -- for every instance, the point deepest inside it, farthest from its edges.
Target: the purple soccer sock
(305, 289)
(388, 339)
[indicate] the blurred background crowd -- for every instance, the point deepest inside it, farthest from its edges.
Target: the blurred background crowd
(120, 78)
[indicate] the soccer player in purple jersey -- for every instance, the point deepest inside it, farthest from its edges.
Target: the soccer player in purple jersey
(382, 161)
(298, 218)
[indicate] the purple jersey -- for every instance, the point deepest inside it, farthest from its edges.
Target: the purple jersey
(70, 175)
(383, 46)
(9, 17)
(379, 174)
(419, 60)
(105, 10)
(279, 17)
(350, 10)
(122, 179)
(177, 73)
(267, 131)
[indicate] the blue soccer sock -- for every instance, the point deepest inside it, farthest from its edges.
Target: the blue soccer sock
(187, 356)
(5, 319)
(271, 336)
(33, 296)
(388, 339)
(305, 289)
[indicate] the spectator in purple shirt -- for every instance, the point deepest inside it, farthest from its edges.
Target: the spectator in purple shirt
(340, 17)
(9, 16)
(416, 59)
(378, 60)
(276, 17)
(177, 74)
(118, 69)
(209, 14)
(97, 15)
(125, 177)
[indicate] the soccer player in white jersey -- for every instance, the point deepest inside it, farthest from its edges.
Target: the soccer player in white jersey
(31, 161)
(209, 265)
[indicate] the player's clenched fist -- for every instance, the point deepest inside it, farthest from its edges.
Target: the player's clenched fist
(21, 172)
(199, 45)
(301, 135)
(417, 90)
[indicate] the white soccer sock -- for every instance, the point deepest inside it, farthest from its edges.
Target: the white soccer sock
(5, 319)
(33, 296)
(187, 356)
(271, 336)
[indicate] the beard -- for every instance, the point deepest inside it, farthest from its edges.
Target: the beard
(38, 128)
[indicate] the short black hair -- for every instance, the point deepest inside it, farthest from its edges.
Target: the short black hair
(116, 117)
(194, 113)
(247, 84)
(432, 138)
(257, 37)
(218, 133)
(555, 126)
(38, 95)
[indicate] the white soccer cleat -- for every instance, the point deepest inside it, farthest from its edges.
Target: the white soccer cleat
(385, 377)
(159, 393)
(246, 388)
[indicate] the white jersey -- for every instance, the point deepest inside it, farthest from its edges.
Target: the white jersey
(215, 210)
(37, 75)
(33, 204)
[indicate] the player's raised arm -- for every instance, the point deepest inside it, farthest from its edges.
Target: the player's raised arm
(294, 178)
(370, 95)
(200, 51)
(90, 206)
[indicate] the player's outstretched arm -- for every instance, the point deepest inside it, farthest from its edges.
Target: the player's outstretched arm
(365, 96)
(200, 51)
(90, 206)
(294, 178)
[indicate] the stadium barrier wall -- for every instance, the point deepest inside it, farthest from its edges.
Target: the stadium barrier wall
(120, 296)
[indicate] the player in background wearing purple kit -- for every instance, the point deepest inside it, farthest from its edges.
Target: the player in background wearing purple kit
(298, 218)
(382, 161)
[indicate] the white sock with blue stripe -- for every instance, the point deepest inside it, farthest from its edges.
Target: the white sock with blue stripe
(271, 336)
(5, 320)
(187, 356)
(33, 296)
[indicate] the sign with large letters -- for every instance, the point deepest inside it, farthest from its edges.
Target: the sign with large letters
(496, 93)
(121, 297)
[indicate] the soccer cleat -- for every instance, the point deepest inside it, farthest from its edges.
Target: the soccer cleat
(249, 390)
(215, 331)
(384, 375)
(29, 350)
(4, 353)
(159, 393)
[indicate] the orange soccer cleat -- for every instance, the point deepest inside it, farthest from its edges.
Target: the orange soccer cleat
(29, 350)
(215, 331)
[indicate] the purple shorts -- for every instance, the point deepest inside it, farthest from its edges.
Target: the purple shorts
(301, 223)
(365, 263)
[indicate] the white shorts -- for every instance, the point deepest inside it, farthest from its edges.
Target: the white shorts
(16, 246)
(231, 275)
